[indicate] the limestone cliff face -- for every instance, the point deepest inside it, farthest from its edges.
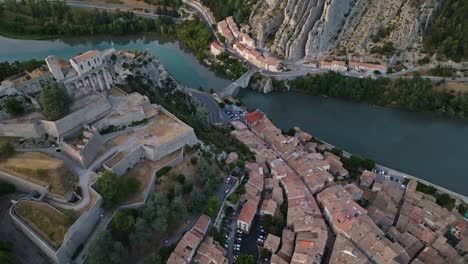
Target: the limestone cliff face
(308, 29)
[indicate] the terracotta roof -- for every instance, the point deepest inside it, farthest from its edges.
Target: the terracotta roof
(254, 117)
(247, 213)
(367, 65)
(86, 56)
(202, 223)
(217, 45)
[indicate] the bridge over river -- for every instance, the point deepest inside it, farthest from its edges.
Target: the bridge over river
(242, 82)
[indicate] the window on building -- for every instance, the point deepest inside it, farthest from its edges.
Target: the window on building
(81, 66)
(89, 63)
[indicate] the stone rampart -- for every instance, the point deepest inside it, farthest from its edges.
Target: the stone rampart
(126, 162)
(25, 130)
(23, 185)
(35, 238)
(80, 230)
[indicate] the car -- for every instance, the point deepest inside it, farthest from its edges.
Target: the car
(228, 179)
(227, 191)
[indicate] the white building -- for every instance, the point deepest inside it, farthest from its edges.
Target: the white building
(87, 61)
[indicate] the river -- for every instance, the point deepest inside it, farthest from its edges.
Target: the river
(421, 144)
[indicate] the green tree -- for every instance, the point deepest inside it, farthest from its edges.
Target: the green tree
(212, 208)
(6, 188)
(55, 102)
(13, 106)
(108, 186)
(141, 235)
(178, 205)
(6, 252)
(123, 223)
(245, 259)
(100, 248)
(6, 149)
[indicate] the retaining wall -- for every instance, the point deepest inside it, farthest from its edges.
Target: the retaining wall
(150, 189)
(23, 185)
(126, 162)
(161, 151)
(35, 238)
(80, 230)
(25, 130)
(91, 149)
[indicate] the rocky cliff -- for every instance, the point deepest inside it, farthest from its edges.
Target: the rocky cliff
(368, 29)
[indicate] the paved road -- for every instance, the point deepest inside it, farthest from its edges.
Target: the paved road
(101, 225)
(216, 116)
(115, 7)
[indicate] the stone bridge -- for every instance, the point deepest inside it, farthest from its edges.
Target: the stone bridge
(234, 87)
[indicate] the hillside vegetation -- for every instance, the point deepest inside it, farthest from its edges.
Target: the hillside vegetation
(239, 9)
(43, 18)
(414, 94)
(447, 35)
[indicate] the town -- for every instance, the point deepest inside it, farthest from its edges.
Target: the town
(242, 45)
(295, 200)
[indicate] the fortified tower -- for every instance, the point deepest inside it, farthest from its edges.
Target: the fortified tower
(54, 68)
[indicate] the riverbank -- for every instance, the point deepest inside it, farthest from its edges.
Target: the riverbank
(402, 175)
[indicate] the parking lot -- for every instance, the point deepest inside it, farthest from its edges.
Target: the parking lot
(234, 113)
(248, 243)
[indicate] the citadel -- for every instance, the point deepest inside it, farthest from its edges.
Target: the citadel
(105, 129)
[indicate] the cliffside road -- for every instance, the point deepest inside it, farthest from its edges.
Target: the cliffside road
(216, 116)
(100, 226)
(209, 19)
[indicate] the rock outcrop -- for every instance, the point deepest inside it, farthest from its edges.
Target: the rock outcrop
(311, 29)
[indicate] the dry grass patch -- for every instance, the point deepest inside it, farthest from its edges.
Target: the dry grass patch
(144, 173)
(41, 169)
(453, 87)
(48, 222)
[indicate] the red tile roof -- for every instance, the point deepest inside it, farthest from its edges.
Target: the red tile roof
(254, 117)
(247, 213)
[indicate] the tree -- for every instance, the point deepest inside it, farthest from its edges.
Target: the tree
(178, 205)
(13, 106)
(100, 248)
(6, 149)
(196, 201)
(368, 164)
(55, 102)
(122, 224)
(108, 186)
(212, 208)
(245, 259)
(6, 252)
(6, 188)
(153, 259)
(141, 234)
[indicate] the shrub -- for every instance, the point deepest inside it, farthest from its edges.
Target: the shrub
(6, 188)
(55, 102)
(13, 107)
(163, 171)
(6, 149)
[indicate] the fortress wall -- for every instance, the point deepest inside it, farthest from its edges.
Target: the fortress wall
(85, 114)
(121, 120)
(71, 152)
(25, 130)
(23, 185)
(91, 149)
(189, 138)
(80, 230)
(36, 239)
(131, 159)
